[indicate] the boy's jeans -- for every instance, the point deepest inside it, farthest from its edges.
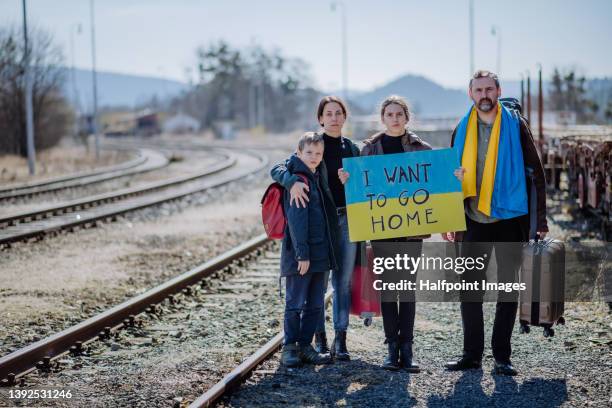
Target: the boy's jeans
(341, 279)
(303, 305)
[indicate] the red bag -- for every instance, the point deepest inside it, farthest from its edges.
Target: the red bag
(272, 211)
(365, 300)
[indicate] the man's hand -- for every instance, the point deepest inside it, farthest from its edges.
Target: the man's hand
(344, 175)
(299, 194)
(459, 173)
(303, 267)
(448, 236)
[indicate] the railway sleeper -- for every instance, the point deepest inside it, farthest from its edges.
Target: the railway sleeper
(9, 381)
(48, 364)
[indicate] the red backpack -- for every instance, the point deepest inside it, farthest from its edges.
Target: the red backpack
(272, 211)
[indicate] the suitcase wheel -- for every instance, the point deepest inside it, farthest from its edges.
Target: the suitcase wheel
(561, 321)
(367, 321)
(549, 332)
(524, 329)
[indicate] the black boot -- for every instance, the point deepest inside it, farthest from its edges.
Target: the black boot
(504, 368)
(321, 343)
(406, 358)
(339, 350)
(392, 360)
(464, 363)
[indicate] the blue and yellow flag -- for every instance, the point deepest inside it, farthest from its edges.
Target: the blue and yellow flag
(403, 195)
(503, 191)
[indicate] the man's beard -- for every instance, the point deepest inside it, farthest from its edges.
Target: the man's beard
(485, 105)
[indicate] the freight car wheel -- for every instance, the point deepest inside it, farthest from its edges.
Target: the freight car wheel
(549, 332)
(524, 329)
(605, 226)
(582, 195)
(367, 321)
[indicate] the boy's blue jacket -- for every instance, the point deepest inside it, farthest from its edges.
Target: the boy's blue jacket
(308, 235)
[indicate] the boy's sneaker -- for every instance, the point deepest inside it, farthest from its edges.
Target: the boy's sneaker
(290, 356)
(309, 355)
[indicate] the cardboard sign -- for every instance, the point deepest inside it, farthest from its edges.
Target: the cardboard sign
(403, 195)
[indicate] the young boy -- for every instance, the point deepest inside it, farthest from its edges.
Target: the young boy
(305, 255)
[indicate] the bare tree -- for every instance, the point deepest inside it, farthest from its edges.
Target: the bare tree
(52, 114)
(236, 85)
(568, 92)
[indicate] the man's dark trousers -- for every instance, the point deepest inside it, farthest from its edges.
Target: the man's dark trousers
(478, 241)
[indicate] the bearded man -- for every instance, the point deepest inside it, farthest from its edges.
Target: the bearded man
(499, 158)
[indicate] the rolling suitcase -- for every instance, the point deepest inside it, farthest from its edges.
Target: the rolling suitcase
(365, 301)
(543, 272)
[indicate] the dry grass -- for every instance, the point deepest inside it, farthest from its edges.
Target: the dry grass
(55, 162)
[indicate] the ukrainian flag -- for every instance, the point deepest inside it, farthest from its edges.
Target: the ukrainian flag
(403, 195)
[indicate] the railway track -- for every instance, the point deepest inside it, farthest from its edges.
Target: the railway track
(146, 160)
(243, 371)
(86, 212)
(44, 354)
(47, 356)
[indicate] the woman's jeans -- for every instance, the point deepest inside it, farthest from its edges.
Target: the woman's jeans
(341, 279)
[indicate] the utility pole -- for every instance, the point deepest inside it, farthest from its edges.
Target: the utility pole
(540, 108)
(529, 98)
(342, 5)
(522, 92)
(75, 95)
(496, 31)
(471, 38)
(94, 79)
(28, 96)
(261, 107)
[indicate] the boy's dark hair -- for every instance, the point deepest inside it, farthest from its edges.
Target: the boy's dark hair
(327, 99)
(482, 73)
(309, 138)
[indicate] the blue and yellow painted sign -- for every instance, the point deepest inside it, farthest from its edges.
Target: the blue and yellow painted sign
(402, 195)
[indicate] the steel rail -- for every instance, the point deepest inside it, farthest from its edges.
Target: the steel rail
(111, 211)
(238, 375)
(74, 176)
(91, 201)
(23, 361)
(148, 163)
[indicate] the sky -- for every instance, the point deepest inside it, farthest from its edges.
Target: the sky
(385, 38)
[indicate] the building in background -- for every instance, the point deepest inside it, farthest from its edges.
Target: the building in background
(180, 124)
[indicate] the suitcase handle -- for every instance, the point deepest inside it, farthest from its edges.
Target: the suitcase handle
(533, 205)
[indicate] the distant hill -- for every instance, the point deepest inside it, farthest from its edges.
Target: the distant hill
(426, 97)
(429, 99)
(118, 89)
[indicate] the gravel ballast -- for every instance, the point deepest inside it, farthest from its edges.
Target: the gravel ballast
(55, 283)
(574, 368)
